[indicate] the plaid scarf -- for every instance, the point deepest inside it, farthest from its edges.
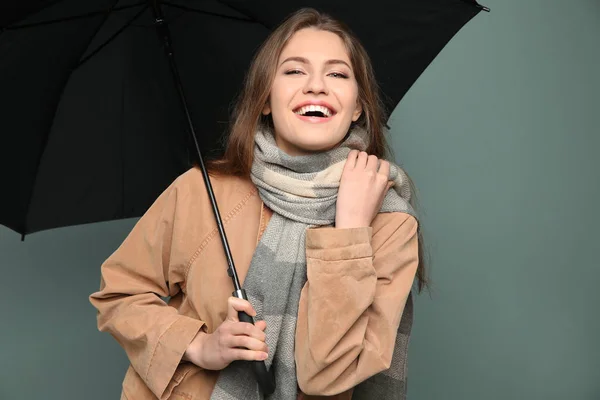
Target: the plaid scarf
(302, 192)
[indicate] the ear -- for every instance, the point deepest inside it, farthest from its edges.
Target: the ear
(357, 112)
(267, 108)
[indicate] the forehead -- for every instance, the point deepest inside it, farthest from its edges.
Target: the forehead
(315, 45)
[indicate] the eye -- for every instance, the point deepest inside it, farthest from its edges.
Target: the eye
(338, 75)
(293, 72)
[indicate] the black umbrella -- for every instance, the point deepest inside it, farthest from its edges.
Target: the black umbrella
(92, 123)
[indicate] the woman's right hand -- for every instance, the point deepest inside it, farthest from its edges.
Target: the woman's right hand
(232, 340)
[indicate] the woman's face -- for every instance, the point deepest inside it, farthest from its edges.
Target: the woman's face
(314, 96)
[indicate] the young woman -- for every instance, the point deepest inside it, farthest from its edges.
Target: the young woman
(321, 230)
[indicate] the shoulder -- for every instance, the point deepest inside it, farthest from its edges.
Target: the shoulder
(190, 210)
(192, 182)
(394, 219)
(394, 225)
(231, 192)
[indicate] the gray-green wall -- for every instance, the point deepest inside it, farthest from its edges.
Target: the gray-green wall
(502, 136)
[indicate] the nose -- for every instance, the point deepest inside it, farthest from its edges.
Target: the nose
(315, 84)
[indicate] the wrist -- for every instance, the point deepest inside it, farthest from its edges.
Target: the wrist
(194, 350)
(351, 224)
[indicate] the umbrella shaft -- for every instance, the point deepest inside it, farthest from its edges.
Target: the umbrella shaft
(165, 36)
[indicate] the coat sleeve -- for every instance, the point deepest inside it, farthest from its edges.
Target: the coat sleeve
(133, 280)
(351, 305)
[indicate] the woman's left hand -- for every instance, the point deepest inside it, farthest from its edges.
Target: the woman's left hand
(363, 186)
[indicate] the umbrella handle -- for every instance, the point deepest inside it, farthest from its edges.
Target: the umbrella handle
(264, 377)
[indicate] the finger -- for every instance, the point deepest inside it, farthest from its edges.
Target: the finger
(262, 325)
(246, 342)
(235, 305)
(372, 162)
(361, 161)
(246, 355)
(383, 196)
(389, 185)
(384, 168)
(244, 328)
(351, 160)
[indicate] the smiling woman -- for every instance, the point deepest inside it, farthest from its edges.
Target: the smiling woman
(314, 96)
(323, 233)
(302, 48)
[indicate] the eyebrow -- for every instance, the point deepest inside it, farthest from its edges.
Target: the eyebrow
(305, 61)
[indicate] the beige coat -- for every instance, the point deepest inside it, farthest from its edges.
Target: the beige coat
(350, 307)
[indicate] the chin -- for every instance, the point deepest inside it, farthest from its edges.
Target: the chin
(316, 147)
(318, 143)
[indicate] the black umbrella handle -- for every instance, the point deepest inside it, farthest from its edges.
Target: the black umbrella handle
(264, 377)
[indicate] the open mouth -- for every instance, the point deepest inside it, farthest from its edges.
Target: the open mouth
(315, 111)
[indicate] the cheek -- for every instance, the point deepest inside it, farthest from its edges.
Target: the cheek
(348, 96)
(353, 98)
(281, 95)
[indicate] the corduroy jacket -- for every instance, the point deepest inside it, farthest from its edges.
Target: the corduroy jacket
(168, 280)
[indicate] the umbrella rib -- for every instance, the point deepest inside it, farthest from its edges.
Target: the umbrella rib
(45, 141)
(49, 4)
(111, 38)
(186, 8)
(255, 20)
(479, 6)
(73, 17)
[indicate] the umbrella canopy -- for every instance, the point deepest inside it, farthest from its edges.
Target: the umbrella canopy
(92, 124)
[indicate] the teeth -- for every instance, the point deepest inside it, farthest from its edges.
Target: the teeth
(303, 110)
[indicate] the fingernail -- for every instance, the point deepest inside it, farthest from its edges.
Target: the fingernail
(264, 356)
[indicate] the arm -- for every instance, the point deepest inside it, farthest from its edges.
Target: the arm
(153, 334)
(351, 306)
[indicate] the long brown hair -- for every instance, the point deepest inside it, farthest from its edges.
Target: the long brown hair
(247, 114)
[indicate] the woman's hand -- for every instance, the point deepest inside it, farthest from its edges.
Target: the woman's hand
(363, 186)
(232, 340)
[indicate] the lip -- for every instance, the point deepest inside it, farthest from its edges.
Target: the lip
(314, 120)
(315, 103)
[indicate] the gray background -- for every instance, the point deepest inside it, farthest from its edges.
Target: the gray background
(501, 135)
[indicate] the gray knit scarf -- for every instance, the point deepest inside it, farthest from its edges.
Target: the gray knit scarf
(302, 192)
